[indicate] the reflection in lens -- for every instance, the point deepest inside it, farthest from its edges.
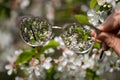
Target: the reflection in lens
(77, 38)
(35, 31)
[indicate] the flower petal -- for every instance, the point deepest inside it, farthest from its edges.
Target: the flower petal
(9, 72)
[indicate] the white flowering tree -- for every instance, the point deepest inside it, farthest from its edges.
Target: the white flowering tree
(69, 56)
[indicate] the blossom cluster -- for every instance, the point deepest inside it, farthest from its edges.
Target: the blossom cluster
(96, 17)
(68, 66)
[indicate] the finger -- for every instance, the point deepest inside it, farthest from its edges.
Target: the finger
(93, 34)
(102, 28)
(104, 36)
(115, 31)
(112, 41)
(95, 40)
(104, 46)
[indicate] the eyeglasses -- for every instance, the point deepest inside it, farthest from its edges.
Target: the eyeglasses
(36, 31)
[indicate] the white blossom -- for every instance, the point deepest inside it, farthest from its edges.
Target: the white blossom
(24, 3)
(101, 2)
(60, 40)
(50, 50)
(93, 17)
(18, 78)
(108, 53)
(117, 5)
(34, 67)
(11, 67)
(68, 52)
(88, 62)
(47, 63)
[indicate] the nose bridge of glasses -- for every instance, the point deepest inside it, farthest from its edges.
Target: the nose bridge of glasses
(57, 30)
(56, 27)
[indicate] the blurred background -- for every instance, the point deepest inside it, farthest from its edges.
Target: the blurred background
(57, 12)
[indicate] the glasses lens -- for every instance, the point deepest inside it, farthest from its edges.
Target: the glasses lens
(77, 38)
(35, 31)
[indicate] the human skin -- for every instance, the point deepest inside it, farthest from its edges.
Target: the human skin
(110, 34)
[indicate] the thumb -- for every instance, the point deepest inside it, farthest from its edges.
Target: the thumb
(110, 40)
(107, 38)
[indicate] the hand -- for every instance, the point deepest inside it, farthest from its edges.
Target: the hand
(110, 32)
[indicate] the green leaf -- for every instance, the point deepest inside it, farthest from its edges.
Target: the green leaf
(85, 37)
(91, 75)
(67, 39)
(93, 3)
(97, 45)
(51, 44)
(24, 57)
(82, 19)
(98, 8)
